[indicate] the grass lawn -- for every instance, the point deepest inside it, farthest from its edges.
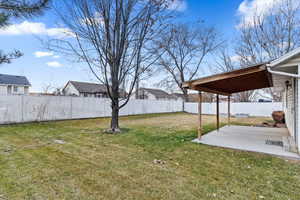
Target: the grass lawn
(92, 165)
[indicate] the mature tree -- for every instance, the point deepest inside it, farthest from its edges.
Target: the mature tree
(270, 36)
(18, 9)
(226, 63)
(182, 49)
(112, 38)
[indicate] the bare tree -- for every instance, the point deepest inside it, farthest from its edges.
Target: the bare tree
(183, 49)
(112, 38)
(223, 61)
(226, 63)
(270, 36)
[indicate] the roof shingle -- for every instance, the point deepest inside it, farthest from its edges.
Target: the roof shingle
(13, 80)
(156, 92)
(93, 88)
(84, 87)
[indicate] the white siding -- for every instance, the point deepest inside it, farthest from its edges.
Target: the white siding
(3, 89)
(289, 107)
(146, 94)
(150, 96)
(20, 90)
(297, 116)
(70, 90)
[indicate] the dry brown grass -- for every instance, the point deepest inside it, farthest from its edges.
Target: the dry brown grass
(189, 121)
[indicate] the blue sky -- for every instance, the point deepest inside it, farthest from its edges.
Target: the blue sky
(44, 68)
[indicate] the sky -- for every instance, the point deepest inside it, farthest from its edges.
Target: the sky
(44, 68)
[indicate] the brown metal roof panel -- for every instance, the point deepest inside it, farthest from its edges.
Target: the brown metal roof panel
(256, 77)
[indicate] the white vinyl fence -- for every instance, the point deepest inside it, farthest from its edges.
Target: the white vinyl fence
(17, 109)
(251, 109)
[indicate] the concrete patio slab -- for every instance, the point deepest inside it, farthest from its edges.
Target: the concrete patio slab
(249, 139)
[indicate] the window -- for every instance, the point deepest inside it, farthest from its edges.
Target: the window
(9, 89)
(26, 90)
(15, 88)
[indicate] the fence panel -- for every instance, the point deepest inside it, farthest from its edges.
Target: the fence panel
(251, 109)
(16, 109)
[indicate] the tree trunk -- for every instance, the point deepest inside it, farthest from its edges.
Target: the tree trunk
(114, 125)
(115, 118)
(185, 95)
(137, 89)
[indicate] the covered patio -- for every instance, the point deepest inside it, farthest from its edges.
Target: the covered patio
(273, 141)
(258, 139)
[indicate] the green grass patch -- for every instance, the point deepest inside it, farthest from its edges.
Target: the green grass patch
(92, 165)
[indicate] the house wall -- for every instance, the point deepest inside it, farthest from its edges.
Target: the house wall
(3, 89)
(146, 94)
(70, 90)
(20, 90)
(150, 96)
(290, 95)
(289, 106)
(297, 116)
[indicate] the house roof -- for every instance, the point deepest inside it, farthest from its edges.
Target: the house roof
(250, 78)
(156, 92)
(92, 88)
(84, 87)
(285, 57)
(13, 80)
(177, 95)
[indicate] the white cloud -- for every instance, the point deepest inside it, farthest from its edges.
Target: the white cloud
(249, 9)
(40, 54)
(235, 58)
(27, 28)
(178, 5)
(54, 64)
(56, 56)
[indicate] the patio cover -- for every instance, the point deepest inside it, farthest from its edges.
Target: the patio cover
(250, 78)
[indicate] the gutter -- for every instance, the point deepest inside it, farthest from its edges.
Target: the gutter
(283, 73)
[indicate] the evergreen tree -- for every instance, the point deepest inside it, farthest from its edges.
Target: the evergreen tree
(18, 9)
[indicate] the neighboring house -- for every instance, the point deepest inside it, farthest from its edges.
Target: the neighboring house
(152, 94)
(84, 89)
(178, 96)
(14, 85)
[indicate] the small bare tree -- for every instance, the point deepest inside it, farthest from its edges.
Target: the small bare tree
(182, 49)
(112, 38)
